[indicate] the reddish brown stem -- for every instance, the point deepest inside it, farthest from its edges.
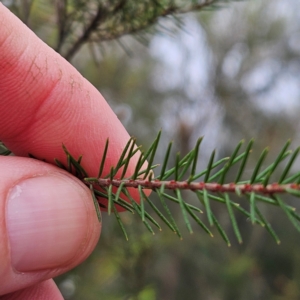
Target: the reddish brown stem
(200, 186)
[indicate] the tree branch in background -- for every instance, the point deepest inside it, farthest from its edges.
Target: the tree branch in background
(114, 19)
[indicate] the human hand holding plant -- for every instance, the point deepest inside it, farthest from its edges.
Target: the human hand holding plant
(49, 224)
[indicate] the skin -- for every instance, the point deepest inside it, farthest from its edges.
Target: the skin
(45, 102)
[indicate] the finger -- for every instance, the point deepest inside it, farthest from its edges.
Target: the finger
(48, 222)
(45, 102)
(44, 290)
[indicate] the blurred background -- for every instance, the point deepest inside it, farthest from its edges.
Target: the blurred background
(226, 74)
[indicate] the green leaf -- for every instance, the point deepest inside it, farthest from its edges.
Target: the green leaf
(103, 159)
(96, 204)
(258, 165)
(120, 222)
(183, 210)
(232, 218)
(244, 161)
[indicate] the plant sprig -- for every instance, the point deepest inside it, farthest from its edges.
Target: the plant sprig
(171, 182)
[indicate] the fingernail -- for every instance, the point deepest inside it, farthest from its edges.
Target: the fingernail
(46, 220)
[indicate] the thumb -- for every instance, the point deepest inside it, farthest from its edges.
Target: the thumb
(48, 222)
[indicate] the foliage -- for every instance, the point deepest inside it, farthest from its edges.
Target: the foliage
(183, 176)
(89, 21)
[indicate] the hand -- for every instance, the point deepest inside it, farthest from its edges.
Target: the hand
(48, 221)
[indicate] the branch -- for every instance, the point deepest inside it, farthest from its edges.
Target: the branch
(214, 187)
(117, 18)
(101, 15)
(170, 183)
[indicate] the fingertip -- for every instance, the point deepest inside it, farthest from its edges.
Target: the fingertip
(50, 224)
(45, 102)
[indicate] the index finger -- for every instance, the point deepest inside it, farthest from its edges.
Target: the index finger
(45, 102)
